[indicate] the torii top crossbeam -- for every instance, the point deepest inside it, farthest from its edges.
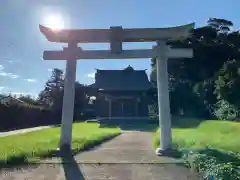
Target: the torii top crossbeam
(116, 34)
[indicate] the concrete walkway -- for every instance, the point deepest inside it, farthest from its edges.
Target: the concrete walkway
(127, 157)
(21, 131)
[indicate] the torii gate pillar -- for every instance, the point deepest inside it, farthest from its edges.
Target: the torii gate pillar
(163, 98)
(68, 99)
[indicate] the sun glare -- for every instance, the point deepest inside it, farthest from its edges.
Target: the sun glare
(54, 21)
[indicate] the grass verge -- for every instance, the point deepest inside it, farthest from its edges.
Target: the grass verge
(34, 146)
(212, 148)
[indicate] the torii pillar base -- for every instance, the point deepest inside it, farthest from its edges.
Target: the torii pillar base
(171, 152)
(163, 152)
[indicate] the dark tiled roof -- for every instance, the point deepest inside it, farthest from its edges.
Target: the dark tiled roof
(126, 79)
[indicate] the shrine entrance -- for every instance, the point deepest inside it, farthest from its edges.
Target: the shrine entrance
(116, 36)
(121, 95)
(127, 110)
(123, 108)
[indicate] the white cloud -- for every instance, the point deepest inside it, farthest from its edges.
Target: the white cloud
(1, 88)
(1, 67)
(93, 97)
(30, 80)
(5, 74)
(91, 75)
(49, 70)
(10, 75)
(14, 76)
(18, 94)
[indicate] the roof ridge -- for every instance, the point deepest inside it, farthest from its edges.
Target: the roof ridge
(121, 70)
(128, 68)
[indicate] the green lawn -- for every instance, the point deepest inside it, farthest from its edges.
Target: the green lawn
(212, 148)
(221, 135)
(36, 145)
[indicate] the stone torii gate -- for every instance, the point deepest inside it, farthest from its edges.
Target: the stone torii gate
(116, 36)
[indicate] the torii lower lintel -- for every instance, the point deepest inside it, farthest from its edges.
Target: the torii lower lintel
(107, 54)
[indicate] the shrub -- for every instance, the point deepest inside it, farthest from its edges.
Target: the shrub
(224, 110)
(92, 121)
(211, 168)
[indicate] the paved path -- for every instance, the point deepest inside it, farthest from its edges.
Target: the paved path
(21, 131)
(127, 157)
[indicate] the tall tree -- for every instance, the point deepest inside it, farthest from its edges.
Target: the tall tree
(221, 25)
(52, 94)
(211, 75)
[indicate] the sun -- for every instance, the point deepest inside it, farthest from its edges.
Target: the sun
(54, 21)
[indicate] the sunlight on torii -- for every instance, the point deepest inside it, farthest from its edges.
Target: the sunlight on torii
(54, 21)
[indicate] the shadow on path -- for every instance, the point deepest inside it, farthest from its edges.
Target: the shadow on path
(139, 127)
(152, 125)
(144, 127)
(71, 168)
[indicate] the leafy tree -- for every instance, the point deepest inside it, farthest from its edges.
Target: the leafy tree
(221, 25)
(81, 99)
(28, 99)
(228, 82)
(52, 94)
(211, 77)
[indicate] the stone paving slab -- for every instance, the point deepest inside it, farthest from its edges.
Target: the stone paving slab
(127, 157)
(101, 172)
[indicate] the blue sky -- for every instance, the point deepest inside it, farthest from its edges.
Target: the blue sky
(22, 69)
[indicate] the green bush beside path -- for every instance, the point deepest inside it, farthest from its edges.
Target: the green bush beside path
(212, 148)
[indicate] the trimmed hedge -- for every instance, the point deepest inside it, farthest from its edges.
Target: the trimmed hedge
(20, 116)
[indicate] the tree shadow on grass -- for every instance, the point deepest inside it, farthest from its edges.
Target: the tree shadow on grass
(152, 125)
(14, 161)
(184, 122)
